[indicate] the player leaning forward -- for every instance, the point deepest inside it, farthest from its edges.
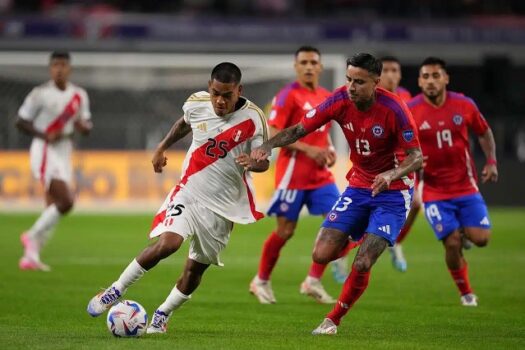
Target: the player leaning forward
(213, 193)
(51, 113)
(376, 124)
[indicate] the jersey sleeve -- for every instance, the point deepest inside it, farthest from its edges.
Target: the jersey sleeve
(282, 108)
(476, 120)
(85, 112)
(31, 105)
(320, 115)
(405, 127)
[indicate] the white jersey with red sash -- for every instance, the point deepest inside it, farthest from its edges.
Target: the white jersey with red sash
(210, 173)
(54, 110)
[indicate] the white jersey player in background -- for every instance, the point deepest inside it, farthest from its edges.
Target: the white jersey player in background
(213, 193)
(51, 113)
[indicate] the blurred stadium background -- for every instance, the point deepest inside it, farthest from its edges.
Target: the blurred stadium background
(139, 60)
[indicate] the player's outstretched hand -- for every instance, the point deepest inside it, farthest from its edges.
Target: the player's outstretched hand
(159, 161)
(83, 126)
(259, 154)
(244, 160)
(318, 154)
(382, 182)
(53, 136)
(489, 173)
(331, 157)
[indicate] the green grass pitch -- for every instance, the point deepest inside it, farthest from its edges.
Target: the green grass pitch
(418, 309)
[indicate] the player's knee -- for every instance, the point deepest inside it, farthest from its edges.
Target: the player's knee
(286, 233)
(362, 264)
(481, 240)
(321, 257)
(167, 245)
(453, 242)
(65, 206)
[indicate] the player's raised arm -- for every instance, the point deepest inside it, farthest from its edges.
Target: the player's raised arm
(490, 170)
(177, 132)
(412, 162)
(283, 138)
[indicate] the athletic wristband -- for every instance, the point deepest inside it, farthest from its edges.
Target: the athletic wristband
(492, 161)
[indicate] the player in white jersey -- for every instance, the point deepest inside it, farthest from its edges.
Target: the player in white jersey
(51, 113)
(214, 192)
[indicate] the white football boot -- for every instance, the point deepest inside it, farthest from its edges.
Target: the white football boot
(340, 269)
(469, 300)
(327, 327)
(159, 323)
(398, 258)
(313, 288)
(103, 301)
(262, 290)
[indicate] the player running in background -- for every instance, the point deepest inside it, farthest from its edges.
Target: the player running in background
(451, 196)
(390, 79)
(50, 114)
(301, 174)
(213, 193)
(376, 124)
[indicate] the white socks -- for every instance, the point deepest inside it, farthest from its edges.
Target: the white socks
(130, 275)
(173, 301)
(41, 230)
(310, 279)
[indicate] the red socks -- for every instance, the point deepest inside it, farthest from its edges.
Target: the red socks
(354, 286)
(460, 277)
(270, 255)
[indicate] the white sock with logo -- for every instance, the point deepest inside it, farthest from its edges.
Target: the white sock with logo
(131, 274)
(173, 301)
(41, 230)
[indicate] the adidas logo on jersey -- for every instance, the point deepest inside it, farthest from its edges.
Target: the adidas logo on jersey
(485, 221)
(202, 127)
(425, 126)
(385, 229)
(307, 106)
(349, 126)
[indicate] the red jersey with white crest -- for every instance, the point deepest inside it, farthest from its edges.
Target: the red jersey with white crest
(449, 170)
(209, 172)
(373, 136)
(295, 170)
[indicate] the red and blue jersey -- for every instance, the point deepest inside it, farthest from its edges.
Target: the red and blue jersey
(403, 93)
(449, 170)
(295, 170)
(373, 136)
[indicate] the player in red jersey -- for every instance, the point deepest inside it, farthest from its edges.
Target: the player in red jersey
(390, 79)
(376, 124)
(301, 175)
(451, 196)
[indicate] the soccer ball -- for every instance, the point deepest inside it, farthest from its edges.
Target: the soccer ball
(127, 318)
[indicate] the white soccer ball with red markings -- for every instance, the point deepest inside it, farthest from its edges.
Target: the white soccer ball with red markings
(127, 318)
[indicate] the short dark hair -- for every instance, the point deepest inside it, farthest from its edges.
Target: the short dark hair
(226, 72)
(306, 48)
(434, 61)
(60, 54)
(390, 59)
(367, 62)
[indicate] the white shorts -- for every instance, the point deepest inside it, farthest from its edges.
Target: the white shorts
(182, 214)
(51, 161)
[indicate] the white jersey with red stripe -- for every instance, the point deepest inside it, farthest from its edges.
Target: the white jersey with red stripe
(210, 172)
(54, 110)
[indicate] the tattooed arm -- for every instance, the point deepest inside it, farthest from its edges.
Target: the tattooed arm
(283, 138)
(177, 132)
